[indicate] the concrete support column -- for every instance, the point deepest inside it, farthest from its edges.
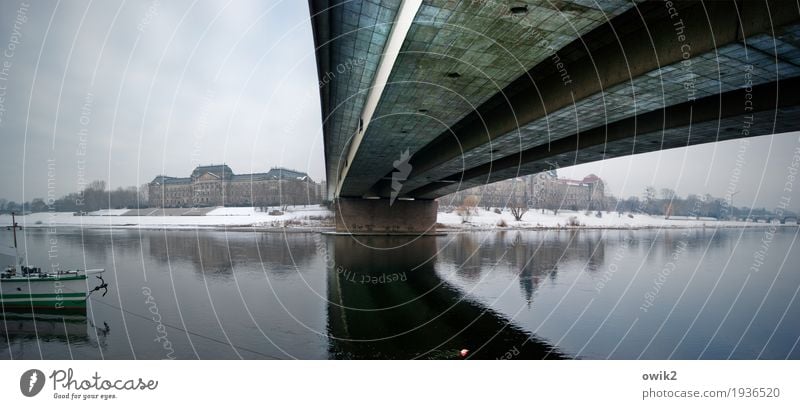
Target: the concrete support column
(378, 216)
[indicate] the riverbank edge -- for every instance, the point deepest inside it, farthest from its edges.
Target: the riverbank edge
(439, 231)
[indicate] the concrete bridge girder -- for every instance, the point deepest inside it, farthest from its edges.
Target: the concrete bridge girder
(457, 55)
(654, 91)
(711, 119)
(707, 28)
(624, 95)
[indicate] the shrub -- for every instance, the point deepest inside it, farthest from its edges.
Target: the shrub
(518, 209)
(467, 208)
(502, 223)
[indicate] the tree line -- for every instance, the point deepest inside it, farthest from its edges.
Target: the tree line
(667, 203)
(95, 196)
(664, 202)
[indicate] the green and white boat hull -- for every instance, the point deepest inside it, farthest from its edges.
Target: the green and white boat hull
(65, 292)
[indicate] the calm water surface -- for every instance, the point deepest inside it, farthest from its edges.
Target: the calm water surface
(701, 293)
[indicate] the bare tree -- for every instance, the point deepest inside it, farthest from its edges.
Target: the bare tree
(552, 201)
(95, 196)
(488, 194)
(518, 208)
(649, 200)
(293, 192)
(144, 195)
(668, 210)
(467, 208)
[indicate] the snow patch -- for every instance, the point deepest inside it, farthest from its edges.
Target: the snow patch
(108, 212)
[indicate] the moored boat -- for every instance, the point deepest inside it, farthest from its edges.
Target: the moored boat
(28, 288)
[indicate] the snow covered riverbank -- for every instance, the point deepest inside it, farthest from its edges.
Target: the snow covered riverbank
(319, 218)
(309, 217)
(480, 219)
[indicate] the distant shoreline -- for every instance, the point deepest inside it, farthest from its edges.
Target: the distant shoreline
(318, 219)
(447, 229)
(574, 228)
(239, 228)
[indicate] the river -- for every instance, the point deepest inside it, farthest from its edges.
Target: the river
(592, 294)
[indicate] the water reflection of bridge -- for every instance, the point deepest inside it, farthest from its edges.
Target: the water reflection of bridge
(382, 303)
(386, 301)
(533, 256)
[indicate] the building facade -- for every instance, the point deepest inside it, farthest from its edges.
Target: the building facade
(542, 190)
(585, 194)
(218, 185)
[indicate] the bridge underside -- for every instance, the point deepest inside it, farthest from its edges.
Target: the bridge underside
(425, 98)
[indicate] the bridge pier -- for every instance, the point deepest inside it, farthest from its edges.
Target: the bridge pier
(380, 216)
(386, 299)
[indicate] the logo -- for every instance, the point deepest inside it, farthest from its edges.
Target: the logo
(31, 382)
(403, 170)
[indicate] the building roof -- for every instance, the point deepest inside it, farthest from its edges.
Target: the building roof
(221, 171)
(225, 172)
(571, 181)
(169, 180)
(286, 174)
(591, 178)
(250, 177)
(178, 181)
(161, 179)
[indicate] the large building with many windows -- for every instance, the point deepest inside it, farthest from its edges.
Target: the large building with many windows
(218, 185)
(543, 190)
(587, 193)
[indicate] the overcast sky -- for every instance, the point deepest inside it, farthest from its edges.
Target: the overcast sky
(170, 85)
(123, 91)
(762, 168)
